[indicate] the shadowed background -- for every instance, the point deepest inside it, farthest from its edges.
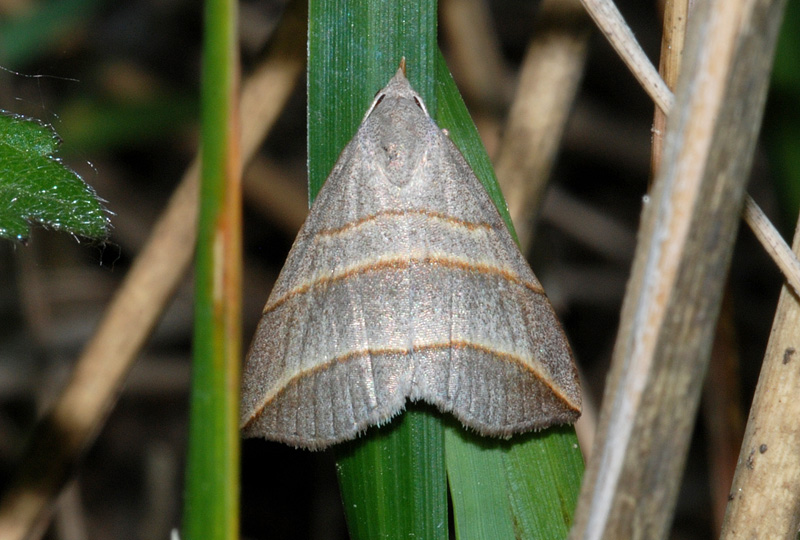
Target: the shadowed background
(119, 83)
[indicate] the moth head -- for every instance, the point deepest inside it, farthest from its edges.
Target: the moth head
(399, 94)
(397, 131)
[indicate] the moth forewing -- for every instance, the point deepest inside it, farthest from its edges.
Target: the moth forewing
(404, 283)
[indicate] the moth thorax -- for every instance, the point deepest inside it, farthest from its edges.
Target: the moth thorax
(401, 143)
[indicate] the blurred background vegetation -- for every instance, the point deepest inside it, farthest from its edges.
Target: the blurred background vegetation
(119, 83)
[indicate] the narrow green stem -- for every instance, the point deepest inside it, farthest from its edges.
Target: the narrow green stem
(212, 476)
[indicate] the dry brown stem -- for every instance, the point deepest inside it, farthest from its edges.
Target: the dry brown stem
(673, 39)
(616, 30)
(476, 57)
(610, 21)
(772, 242)
(551, 72)
(721, 396)
(765, 495)
(673, 298)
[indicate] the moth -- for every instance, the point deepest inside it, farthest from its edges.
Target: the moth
(404, 284)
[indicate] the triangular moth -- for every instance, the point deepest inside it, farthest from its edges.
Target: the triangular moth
(404, 283)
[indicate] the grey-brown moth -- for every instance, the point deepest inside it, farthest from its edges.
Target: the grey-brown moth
(404, 284)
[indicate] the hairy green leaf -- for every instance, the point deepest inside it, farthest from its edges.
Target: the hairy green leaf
(35, 187)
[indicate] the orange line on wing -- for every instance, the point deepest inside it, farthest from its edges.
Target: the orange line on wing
(403, 264)
(505, 357)
(469, 225)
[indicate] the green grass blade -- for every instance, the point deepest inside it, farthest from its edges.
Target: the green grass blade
(477, 487)
(454, 117)
(526, 487)
(35, 187)
(544, 472)
(493, 496)
(393, 482)
(211, 510)
(523, 488)
(354, 48)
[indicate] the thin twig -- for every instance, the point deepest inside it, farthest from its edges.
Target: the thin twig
(673, 37)
(773, 242)
(619, 34)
